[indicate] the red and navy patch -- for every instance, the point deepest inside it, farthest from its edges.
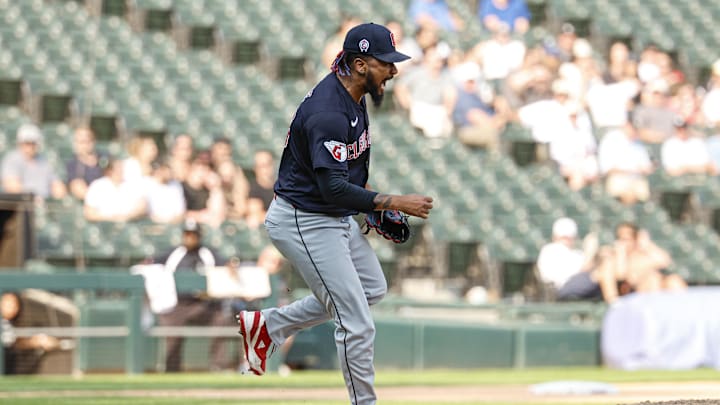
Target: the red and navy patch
(338, 150)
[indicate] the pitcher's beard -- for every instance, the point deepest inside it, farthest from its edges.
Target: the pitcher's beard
(374, 90)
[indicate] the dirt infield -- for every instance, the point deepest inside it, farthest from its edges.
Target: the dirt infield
(688, 402)
(700, 393)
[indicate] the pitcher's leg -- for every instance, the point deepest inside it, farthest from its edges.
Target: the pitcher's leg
(308, 312)
(329, 271)
(367, 265)
(287, 320)
(283, 322)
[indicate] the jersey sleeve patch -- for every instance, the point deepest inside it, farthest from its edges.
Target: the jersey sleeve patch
(338, 150)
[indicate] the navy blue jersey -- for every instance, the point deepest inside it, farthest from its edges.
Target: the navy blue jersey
(329, 130)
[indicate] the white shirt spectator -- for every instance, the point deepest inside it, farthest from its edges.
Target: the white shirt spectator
(617, 151)
(111, 200)
(166, 201)
(133, 173)
(545, 119)
(571, 147)
(677, 153)
(711, 106)
(559, 260)
(557, 263)
(500, 57)
(608, 103)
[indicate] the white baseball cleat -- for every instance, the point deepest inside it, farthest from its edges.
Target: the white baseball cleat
(256, 340)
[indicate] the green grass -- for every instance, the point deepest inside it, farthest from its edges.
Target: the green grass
(311, 379)
(325, 379)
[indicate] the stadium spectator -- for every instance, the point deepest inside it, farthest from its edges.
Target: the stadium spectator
(499, 55)
(648, 68)
(429, 94)
(686, 103)
(423, 38)
(567, 269)
(684, 153)
(581, 71)
(713, 146)
(234, 183)
(142, 152)
(24, 170)
(261, 187)
(625, 163)
(112, 199)
(334, 44)
(668, 72)
(532, 81)
(711, 102)
(619, 64)
(192, 256)
(22, 355)
(203, 192)
(561, 47)
(434, 14)
(546, 118)
(476, 122)
(165, 197)
(513, 13)
(574, 148)
(653, 117)
(609, 103)
(180, 157)
(634, 263)
(84, 167)
(411, 46)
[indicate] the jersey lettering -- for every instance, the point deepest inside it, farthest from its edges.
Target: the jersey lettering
(352, 151)
(342, 152)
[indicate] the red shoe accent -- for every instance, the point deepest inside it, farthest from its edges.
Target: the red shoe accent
(256, 340)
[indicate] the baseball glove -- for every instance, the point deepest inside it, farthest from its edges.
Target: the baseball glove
(391, 224)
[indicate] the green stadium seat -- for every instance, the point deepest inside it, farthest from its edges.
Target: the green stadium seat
(117, 8)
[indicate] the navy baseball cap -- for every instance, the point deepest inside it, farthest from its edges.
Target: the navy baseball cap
(374, 40)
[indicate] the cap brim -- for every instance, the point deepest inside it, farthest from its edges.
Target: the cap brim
(392, 57)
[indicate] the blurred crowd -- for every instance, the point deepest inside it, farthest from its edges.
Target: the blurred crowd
(602, 113)
(610, 117)
(203, 185)
(632, 262)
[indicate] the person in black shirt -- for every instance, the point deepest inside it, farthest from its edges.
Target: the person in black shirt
(204, 198)
(191, 255)
(85, 165)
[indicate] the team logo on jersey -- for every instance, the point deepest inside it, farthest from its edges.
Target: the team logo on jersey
(392, 39)
(364, 45)
(338, 150)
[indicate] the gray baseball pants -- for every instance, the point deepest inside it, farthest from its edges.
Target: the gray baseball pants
(344, 274)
